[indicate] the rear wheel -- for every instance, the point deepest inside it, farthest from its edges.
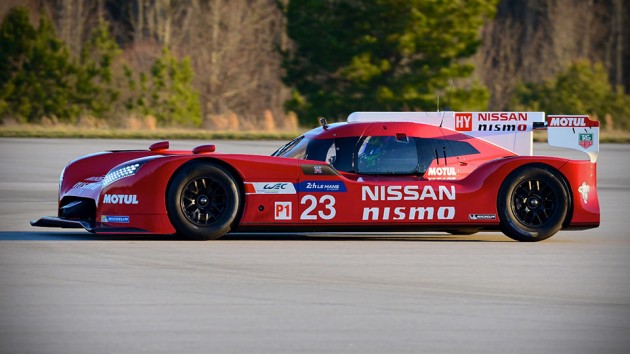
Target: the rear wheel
(533, 203)
(202, 201)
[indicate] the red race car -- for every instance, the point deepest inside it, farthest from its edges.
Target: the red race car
(458, 172)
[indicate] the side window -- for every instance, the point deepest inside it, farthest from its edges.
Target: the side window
(387, 155)
(337, 152)
(461, 148)
(343, 154)
(426, 151)
(331, 154)
(440, 149)
(318, 149)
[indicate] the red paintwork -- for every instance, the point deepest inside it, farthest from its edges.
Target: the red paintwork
(473, 190)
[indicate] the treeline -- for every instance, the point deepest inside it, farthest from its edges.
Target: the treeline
(259, 64)
(39, 79)
(559, 56)
(203, 63)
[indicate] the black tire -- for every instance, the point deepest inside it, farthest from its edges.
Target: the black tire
(533, 203)
(202, 201)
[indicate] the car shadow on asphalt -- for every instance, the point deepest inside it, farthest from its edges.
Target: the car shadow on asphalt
(238, 236)
(77, 236)
(369, 236)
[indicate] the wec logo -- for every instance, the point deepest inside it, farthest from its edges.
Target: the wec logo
(273, 187)
(120, 199)
(276, 186)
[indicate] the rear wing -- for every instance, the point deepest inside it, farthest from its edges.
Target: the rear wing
(512, 131)
(573, 132)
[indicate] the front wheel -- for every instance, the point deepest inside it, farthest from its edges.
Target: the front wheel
(202, 201)
(533, 204)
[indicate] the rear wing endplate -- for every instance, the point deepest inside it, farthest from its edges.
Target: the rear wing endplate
(573, 132)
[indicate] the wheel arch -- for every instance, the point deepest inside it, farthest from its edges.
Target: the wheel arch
(234, 172)
(556, 171)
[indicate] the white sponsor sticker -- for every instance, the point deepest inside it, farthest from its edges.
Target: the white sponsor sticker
(115, 219)
(274, 188)
(283, 211)
(482, 216)
(120, 199)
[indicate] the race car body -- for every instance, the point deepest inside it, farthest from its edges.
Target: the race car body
(459, 172)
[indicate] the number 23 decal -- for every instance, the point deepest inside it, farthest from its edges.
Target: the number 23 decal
(327, 201)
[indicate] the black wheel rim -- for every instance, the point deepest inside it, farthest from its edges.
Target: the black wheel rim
(204, 201)
(534, 203)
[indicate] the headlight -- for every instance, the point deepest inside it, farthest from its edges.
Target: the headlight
(61, 182)
(63, 172)
(120, 173)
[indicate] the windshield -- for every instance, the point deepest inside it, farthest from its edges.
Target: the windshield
(295, 148)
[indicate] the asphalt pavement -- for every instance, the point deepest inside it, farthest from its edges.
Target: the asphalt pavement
(74, 292)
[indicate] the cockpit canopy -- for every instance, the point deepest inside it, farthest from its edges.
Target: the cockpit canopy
(374, 148)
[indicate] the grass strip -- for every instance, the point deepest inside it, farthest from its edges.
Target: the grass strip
(32, 131)
(39, 131)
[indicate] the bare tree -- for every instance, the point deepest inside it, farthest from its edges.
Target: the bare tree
(233, 48)
(74, 20)
(232, 45)
(617, 37)
(530, 41)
